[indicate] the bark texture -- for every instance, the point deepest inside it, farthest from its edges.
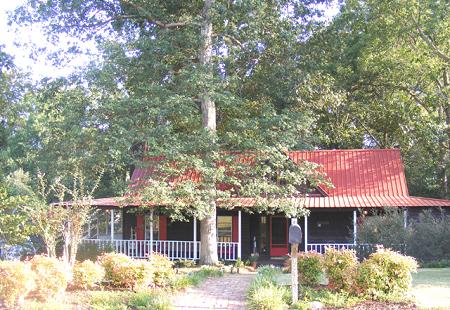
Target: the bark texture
(208, 252)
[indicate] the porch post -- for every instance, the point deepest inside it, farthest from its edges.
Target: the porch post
(195, 238)
(151, 232)
(306, 233)
(112, 224)
(405, 218)
(239, 234)
(354, 227)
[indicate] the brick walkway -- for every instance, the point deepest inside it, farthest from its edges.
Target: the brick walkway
(227, 292)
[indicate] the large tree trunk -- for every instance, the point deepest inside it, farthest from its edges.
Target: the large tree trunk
(208, 253)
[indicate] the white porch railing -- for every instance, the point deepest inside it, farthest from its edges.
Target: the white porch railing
(320, 247)
(173, 249)
(227, 250)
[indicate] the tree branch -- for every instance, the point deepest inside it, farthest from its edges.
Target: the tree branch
(151, 20)
(431, 44)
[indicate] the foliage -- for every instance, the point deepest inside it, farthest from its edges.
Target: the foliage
(429, 238)
(264, 293)
(340, 267)
(443, 263)
(125, 272)
(267, 298)
(163, 269)
(185, 263)
(51, 276)
(16, 281)
(113, 300)
(310, 268)
(144, 300)
(195, 278)
(89, 251)
(426, 237)
(15, 227)
(385, 228)
(341, 299)
(385, 273)
(87, 274)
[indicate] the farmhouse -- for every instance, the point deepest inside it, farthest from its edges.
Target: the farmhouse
(363, 180)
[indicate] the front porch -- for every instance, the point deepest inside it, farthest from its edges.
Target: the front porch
(239, 234)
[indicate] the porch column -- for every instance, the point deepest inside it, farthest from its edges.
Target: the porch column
(306, 233)
(112, 224)
(405, 218)
(151, 232)
(195, 238)
(239, 234)
(354, 227)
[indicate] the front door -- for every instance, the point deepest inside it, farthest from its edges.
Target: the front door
(278, 236)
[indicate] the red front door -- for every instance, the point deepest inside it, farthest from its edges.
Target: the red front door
(278, 236)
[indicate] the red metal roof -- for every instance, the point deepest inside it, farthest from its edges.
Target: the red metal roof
(361, 178)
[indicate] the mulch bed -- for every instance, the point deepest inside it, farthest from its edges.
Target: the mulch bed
(373, 305)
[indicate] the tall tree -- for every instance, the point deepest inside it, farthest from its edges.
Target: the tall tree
(193, 79)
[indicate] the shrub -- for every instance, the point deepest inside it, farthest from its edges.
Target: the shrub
(163, 269)
(310, 268)
(125, 272)
(430, 236)
(185, 263)
(340, 267)
(144, 300)
(16, 281)
(87, 274)
(270, 297)
(51, 276)
(386, 228)
(196, 277)
(91, 251)
(385, 273)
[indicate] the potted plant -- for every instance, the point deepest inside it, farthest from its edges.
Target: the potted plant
(253, 259)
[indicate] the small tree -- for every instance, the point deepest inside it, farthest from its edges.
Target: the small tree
(76, 213)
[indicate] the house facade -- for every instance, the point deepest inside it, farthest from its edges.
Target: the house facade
(363, 180)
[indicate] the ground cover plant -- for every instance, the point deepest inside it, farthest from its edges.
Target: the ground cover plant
(265, 293)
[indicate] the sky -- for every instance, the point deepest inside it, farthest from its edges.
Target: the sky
(18, 44)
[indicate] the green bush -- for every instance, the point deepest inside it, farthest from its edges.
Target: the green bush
(443, 263)
(16, 281)
(385, 273)
(310, 268)
(91, 251)
(195, 278)
(429, 238)
(185, 263)
(270, 297)
(329, 298)
(163, 272)
(124, 272)
(87, 274)
(340, 267)
(144, 300)
(51, 276)
(384, 227)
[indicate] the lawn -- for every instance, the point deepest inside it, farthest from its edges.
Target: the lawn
(431, 288)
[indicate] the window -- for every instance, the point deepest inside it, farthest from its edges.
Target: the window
(99, 226)
(155, 227)
(224, 228)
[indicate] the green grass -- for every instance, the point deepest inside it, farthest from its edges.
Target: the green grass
(431, 288)
(196, 277)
